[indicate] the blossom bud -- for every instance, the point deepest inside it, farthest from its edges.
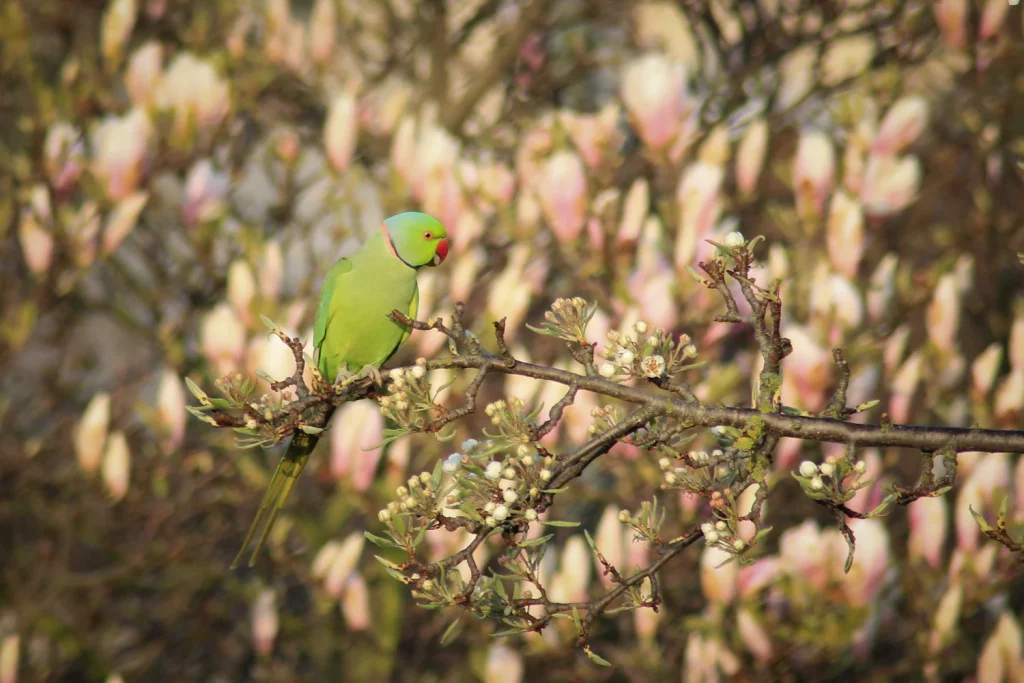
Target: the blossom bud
(116, 466)
(340, 132)
(264, 621)
(91, 433)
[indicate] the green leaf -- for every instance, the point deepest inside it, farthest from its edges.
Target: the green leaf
(269, 323)
(535, 541)
(561, 523)
(985, 527)
(576, 620)
(197, 392)
(555, 491)
(198, 413)
(595, 658)
(590, 541)
(883, 506)
(308, 429)
(453, 631)
(379, 541)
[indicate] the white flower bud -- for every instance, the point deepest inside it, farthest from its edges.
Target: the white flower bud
(826, 469)
(545, 475)
(711, 536)
(384, 515)
(624, 517)
(490, 506)
(500, 513)
(414, 482)
(739, 544)
(626, 357)
(721, 526)
(427, 585)
(817, 484)
(490, 521)
(530, 515)
(493, 470)
(670, 477)
(664, 463)
(469, 445)
(527, 460)
(808, 469)
(640, 327)
(522, 450)
(607, 370)
(509, 473)
(861, 467)
(734, 239)
(510, 496)
(418, 371)
(401, 492)
(396, 374)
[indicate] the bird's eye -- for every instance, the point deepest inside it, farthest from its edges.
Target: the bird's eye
(428, 235)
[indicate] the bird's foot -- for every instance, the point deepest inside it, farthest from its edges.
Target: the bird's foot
(371, 371)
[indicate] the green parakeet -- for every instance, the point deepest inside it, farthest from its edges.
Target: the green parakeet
(352, 332)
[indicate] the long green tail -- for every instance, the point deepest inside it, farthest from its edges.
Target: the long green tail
(288, 471)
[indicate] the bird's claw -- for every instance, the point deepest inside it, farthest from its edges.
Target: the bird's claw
(372, 371)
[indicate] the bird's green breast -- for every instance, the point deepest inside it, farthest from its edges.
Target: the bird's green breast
(356, 329)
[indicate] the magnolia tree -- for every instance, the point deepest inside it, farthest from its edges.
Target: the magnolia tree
(724, 376)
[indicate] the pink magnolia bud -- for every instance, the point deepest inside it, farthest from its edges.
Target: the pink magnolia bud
(753, 635)
(883, 287)
(809, 370)
(947, 615)
(241, 289)
(814, 173)
(464, 272)
(507, 297)
(384, 106)
(121, 147)
(801, 554)
(343, 564)
(750, 156)
(117, 466)
(1015, 347)
(575, 567)
(699, 205)
(718, 582)
(992, 18)
(649, 287)
(145, 73)
(895, 346)
(358, 430)
(10, 650)
(715, 148)
(985, 369)
(796, 76)
(1009, 399)
(118, 22)
(890, 184)
(36, 240)
(654, 92)
(844, 235)
(122, 220)
(444, 198)
(787, 452)
(745, 504)
(170, 411)
(846, 57)
(966, 527)
(610, 542)
(497, 183)
(222, 339)
(271, 271)
(904, 384)
(403, 150)
(64, 156)
(355, 603)
(91, 433)
(197, 96)
(82, 229)
(951, 16)
(901, 126)
(943, 315)
(503, 665)
(594, 135)
(929, 525)
(322, 31)
(760, 575)
(1000, 658)
(634, 212)
(205, 190)
(265, 622)
(324, 559)
(437, 152)
(341, 131)
(562, 192)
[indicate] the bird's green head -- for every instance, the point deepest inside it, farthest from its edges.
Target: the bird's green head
(418, 239)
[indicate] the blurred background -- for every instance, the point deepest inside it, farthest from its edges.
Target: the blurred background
(170, 170)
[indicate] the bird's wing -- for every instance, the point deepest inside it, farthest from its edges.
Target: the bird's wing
(323, 309)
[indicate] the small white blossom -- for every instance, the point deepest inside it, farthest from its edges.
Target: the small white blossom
(817, 484)
(527, 460)
(624, 516)
(653, 366)
(500, 513)
(861, 467)
(384, 515)
(509, 473)
(490, 521)
(490, 506)
(690, 351)
(739, 544)
(427, 585)
(530, 514)
(418, 371)
(664, 463)
(493, 470)
(469, 445)
(826, 469)
(396, 374)
(720, 525)
(625, 357)
(670, 477)
(734, 239)
(509, 496)
(452, 463)
(640, 326)
(607, 370)
(522, 450)
(545, 475)
(425, 478)
(414, 482)
(711, 536)
(808, 469)
(401, 492)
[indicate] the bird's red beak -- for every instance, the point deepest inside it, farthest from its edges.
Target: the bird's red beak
(442, 252)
